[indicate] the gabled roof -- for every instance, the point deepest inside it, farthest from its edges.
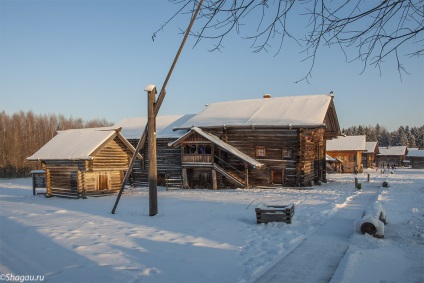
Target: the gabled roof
(225, 146)
(346, 143)
(415, 153)
(132, 128)
(78, 144)
(392, 150)
(292, 111)
(371, 147)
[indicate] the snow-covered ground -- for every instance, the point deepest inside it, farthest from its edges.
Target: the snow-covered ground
(204, 235)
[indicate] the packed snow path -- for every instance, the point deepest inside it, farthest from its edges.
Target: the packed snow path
(317, 258)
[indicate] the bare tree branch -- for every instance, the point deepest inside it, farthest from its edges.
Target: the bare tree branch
(376, 30)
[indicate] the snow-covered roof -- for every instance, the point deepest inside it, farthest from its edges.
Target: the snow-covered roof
(392, 150)
(292, 111)
(370, 147)
(346, 143)
(415, 153)
(76, 144)
(227, 147)
(329, 158)
(132, 128)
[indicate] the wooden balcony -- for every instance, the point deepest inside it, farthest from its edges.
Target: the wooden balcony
(197, 158)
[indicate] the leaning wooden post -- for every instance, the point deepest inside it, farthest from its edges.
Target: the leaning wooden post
(153, 179)
(161, 96)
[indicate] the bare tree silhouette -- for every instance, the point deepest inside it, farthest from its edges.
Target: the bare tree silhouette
(375, 29)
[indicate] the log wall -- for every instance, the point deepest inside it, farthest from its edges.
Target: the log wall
(274, 141)
(168, 163)
(79, 178)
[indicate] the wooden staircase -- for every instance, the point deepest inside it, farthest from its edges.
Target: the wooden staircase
(230, 176)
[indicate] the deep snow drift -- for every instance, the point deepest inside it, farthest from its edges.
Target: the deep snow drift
(204, 235)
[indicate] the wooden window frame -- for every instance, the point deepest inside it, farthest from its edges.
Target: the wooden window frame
(287, 153)
(260, 151)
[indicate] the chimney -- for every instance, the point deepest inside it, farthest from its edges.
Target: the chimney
(267, 95)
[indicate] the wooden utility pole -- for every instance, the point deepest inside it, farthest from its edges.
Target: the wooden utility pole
(151, 124)
(157, 105)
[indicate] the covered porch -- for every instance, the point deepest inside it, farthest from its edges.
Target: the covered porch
(208, 162)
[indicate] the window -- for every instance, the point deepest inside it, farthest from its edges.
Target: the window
(202, 149)
(287, 153)
(186, 149)
(260, 151)
(208, 149)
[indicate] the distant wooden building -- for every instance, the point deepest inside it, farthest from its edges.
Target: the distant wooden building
(369, 155)
(416, 158)
(391, 155)
(84, 162)
(348, 150)
(334, 165)
(258, 142)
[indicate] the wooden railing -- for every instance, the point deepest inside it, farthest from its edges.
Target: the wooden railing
(197, 158)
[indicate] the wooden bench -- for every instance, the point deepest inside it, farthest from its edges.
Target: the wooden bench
(274, 213)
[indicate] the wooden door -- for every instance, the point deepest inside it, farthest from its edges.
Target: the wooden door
(277, 176)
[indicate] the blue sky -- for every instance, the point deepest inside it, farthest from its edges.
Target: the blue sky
(93, 59)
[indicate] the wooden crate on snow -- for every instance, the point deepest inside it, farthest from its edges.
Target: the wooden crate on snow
(274, 213)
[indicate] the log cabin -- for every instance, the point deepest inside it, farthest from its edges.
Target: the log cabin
(334, 165)
(369, 155)
(168, 158)
(391, 156)
(258, 142)
(416, 158)
(348, 150)
(84, 162)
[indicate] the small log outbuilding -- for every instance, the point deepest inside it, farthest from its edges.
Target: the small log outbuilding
(369, 155)
(83, 162)
(416, 158)
(348, 150)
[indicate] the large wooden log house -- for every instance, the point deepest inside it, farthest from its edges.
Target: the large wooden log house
(84, 162)
(259, 142)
